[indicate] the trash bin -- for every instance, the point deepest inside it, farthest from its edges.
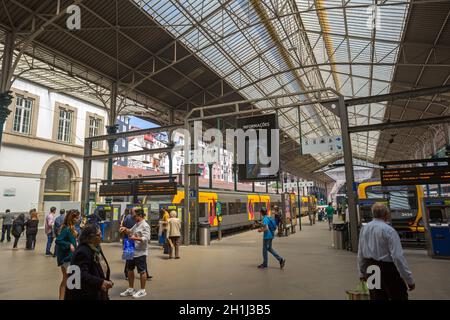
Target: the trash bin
(338, 235)
(205, 234)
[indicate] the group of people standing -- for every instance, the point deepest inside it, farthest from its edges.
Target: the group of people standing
(19, 225)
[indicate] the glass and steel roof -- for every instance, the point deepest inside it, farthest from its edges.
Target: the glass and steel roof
(266, 48)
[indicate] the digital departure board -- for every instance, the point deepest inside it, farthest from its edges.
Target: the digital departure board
(415, 176)
(138, 189)
(163, 188)
(118, 190)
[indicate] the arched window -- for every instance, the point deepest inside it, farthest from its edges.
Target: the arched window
(58, 182)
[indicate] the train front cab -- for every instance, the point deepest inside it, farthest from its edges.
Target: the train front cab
(404, 203)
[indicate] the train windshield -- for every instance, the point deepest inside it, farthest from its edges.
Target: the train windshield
(400, 198)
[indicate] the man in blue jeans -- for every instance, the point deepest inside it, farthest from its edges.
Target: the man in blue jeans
(269, 227)
(7, 225)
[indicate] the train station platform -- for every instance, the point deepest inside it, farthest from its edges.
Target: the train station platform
(226, 270)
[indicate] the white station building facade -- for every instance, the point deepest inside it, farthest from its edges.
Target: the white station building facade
(43, 140)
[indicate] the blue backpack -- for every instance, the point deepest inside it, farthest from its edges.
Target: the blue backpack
(272, 225)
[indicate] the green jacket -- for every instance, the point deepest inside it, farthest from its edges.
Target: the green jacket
(330, 211)
(63, 242)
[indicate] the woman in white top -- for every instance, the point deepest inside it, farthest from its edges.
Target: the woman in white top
(174, 234)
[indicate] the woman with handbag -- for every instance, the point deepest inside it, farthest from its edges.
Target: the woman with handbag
(94, 267)
(67, 243)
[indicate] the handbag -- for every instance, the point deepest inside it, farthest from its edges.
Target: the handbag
(128, 249)
(166, 248)
(162, 239)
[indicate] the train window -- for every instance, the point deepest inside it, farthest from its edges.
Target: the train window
(202, 211)
(232, 208)
(224, 208)
(257, 206)
(243, 207)
(374, 192)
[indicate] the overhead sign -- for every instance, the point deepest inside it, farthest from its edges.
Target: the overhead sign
(415, 176)
(160, 188)
(321, 144)
(192, 194)
(118, 190)
(255, 172)
(141, 189)
(10, 192)
(300, 184)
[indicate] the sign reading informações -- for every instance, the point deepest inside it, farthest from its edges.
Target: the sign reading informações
(253, 172)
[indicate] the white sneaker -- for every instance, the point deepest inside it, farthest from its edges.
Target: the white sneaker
(139, 294)
(128, 293)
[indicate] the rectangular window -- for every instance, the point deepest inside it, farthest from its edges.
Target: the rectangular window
(22, 116)
(65, 125)
(94, 130)
(123, 143)
(231, 208)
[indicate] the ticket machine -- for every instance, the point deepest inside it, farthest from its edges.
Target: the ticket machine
(110, 221)
(437, 218)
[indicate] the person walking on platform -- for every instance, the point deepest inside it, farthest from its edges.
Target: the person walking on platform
(140, 234)
(379, 244)
(49, 221)
(174, 234)
(66, 244)
(18, 228)
(31, 229)
(7, 225)
(330, 211)
(95, 272)
(269, 227)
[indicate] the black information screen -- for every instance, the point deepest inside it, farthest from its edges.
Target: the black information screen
(165, 188)
(415, 176)
(119, 190)
(252, 171)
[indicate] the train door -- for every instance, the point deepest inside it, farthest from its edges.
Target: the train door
(252, 200)
(207, 202)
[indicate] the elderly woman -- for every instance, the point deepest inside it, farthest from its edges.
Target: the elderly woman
(94, 268)
(173, 233)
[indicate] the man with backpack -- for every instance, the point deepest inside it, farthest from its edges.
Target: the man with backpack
(268, 227)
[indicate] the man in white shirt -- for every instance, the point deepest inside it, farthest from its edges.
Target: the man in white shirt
(140, 234)
(379, 244)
